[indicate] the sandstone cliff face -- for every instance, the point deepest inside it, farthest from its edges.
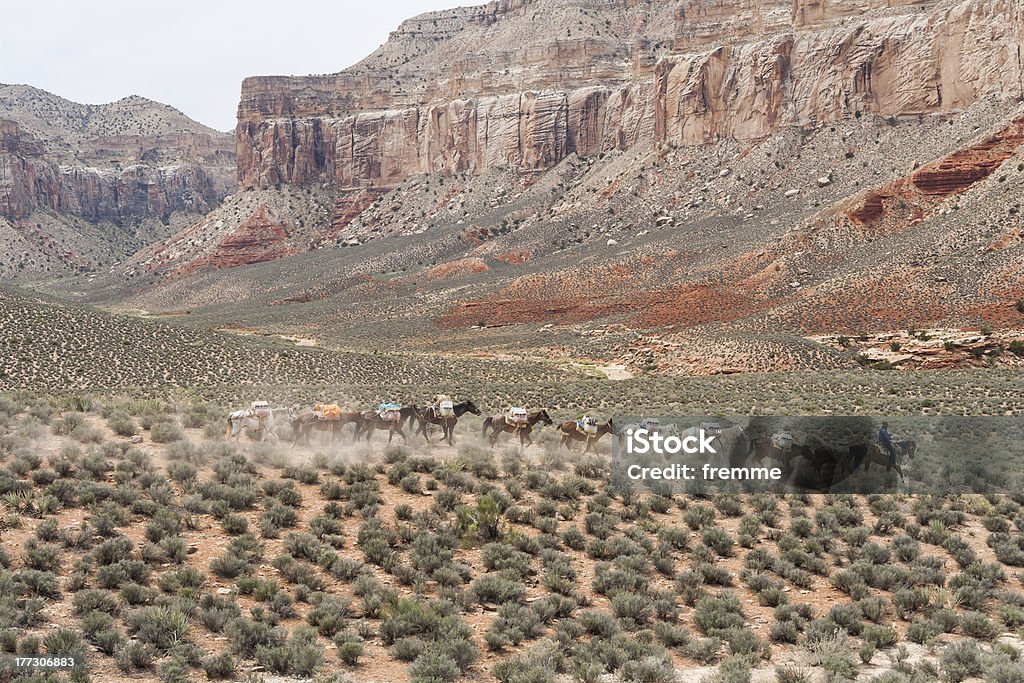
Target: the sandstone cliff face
(30, 181)
(937, 60)
(122, 163)
(524, 84)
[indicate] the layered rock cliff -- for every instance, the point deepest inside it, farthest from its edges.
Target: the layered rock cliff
(122, 163)
(524, 84)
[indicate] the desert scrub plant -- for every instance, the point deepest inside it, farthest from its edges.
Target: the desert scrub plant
(977, 625)
(38, 583)
(162, 627)
(215, 612)
(835, 656)
(245, 635)
(219, 666)
(330, 615)
(298, 572)
(99, 629)
(41, 556)
(134, 656)
(497, 589)
(433, 667)
(697, 516)
(514, 624)
(719, 540)
(503, 557)
(301, 655)
(715, 614)
(95, 600)
(166, 431)
(483, 521)
(960, 661)
(276, 517)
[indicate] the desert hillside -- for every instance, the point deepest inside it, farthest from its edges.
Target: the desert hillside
(82, 186)
(719, 177)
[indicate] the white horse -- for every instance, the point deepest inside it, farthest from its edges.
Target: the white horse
(261, 422)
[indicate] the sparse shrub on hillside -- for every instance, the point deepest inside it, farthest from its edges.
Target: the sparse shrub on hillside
(166, 431)
(697, 516)
(961, 660)
(162, 627)
(713, 615)
(219, 666)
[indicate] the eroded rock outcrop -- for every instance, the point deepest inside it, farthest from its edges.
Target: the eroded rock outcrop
(127, 161)
(525, 84)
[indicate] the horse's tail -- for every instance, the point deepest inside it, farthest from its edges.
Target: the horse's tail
(487, 425)
(227, 432)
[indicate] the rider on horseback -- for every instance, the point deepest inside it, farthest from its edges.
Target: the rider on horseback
(885, 439)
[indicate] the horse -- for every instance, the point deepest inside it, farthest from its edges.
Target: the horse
(370, 421)
(571, 432)
(498, 424)
(307, 421)
(428, 416)
(818, 467)
(876, 453)
(240, 420)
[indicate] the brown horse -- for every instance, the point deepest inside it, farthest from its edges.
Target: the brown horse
(498, 424)
(878, 455)
(370, 421)
(428, 416)
(571, 432)
(308, 421)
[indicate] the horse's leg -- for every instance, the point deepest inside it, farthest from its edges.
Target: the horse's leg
(564, 441)
(401, 434)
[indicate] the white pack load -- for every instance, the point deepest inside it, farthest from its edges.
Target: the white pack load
(651, 424)
(783, 441)
(390, 412)
(517, 416)
(587, 425)
(446, 408)
(260, 409)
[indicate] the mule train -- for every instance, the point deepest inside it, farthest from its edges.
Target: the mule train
(331, 419)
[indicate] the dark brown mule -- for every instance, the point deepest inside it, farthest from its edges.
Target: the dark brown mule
(571, 433)
(428, 416)
(308, 421)
(878, 455)
(370, 421)
(498, 424)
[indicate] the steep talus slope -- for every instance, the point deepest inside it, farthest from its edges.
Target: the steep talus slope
(83, 185)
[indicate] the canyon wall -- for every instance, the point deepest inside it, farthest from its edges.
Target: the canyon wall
(525, 84)
(124, 189)
(122, 162)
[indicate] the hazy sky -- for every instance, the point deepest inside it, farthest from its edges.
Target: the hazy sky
(191, 54)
